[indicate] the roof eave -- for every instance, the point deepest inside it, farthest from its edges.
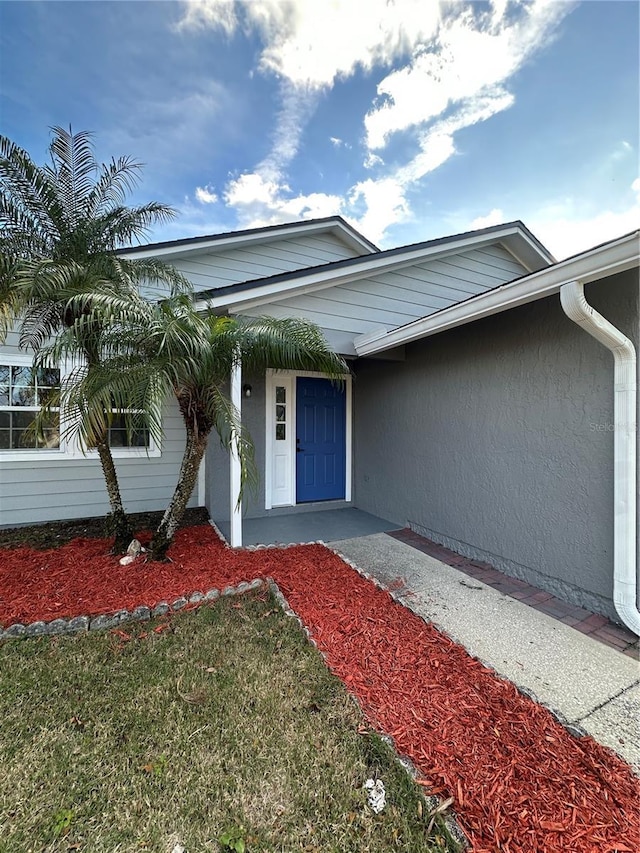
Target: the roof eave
(180, 248)
(602, 261)
(247, 295)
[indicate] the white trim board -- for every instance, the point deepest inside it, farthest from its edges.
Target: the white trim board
(238, 239)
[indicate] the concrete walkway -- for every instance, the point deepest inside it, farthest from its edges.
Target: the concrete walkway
(586, 684)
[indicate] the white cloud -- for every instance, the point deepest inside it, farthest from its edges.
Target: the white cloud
(566, 237)
(454, 65)
(435, 149)
(311, 43)
(494, 217)
(472, 56)
(219, 14)
(566, 230)
(308, 45)
(338, 143)
(206, 195)
(371, 160)
(386, 197)
(297, 107)
(260, 202)
(384, 203)
(251, 189)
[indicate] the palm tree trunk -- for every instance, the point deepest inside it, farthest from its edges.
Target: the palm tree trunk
(119, 523)
(193, 453)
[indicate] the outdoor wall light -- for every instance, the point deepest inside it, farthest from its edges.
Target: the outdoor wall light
(246, 390)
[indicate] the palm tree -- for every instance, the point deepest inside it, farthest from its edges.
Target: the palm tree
(60, 225)
(175, 350)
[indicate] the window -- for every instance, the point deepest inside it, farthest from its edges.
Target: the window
(23, 391)
(281, 413)
(124, 432)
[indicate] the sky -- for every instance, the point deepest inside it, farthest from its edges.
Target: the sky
(413, 119)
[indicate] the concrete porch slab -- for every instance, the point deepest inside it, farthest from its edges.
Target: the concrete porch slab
(326, 525)
(589, 684)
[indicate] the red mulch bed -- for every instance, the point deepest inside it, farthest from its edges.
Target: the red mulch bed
(521, 783)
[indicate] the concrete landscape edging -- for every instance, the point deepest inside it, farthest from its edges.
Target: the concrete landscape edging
(108, 621)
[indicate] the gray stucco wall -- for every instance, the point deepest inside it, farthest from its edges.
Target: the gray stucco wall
(496, 439)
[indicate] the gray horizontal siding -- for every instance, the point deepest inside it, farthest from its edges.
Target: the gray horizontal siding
(66, 488)
(11, 344)
(392, 299)
(218, 269)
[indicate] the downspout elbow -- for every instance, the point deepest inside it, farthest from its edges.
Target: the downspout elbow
(625, 577)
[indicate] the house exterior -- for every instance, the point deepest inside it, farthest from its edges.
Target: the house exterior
(477, 411)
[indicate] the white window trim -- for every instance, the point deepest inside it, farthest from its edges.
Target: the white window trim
(271, 380)
(68, 449)
(14, 360)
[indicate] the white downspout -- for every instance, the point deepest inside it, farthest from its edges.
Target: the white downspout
(625, 578)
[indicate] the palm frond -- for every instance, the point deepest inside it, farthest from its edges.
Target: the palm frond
(121, 226)
(153, 278)
(29, 187)
(20, 232)
(117, 179)
(73, 169)
(286, 344)
(235, 437)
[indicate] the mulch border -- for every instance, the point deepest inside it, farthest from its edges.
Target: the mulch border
(404, 600)
(80, 624)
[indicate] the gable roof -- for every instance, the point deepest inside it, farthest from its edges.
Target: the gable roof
(213, 242)
(604, 260)
(515, 236)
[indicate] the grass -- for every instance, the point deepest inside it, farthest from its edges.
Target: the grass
(225, 729)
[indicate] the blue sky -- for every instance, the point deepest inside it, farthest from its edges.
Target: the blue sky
(413, 120)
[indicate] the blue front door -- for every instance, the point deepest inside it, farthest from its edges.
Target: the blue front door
(320, 440)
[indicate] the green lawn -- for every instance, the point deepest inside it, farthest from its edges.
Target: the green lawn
(228, 722)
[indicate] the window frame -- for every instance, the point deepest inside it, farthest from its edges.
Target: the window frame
(69, 448)
(30, 454)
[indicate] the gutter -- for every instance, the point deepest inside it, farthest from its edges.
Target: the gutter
(625, 575)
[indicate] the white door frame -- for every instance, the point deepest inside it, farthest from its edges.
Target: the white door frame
(287, 378)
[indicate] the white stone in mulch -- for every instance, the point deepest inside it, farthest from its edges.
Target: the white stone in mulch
(133, 552)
